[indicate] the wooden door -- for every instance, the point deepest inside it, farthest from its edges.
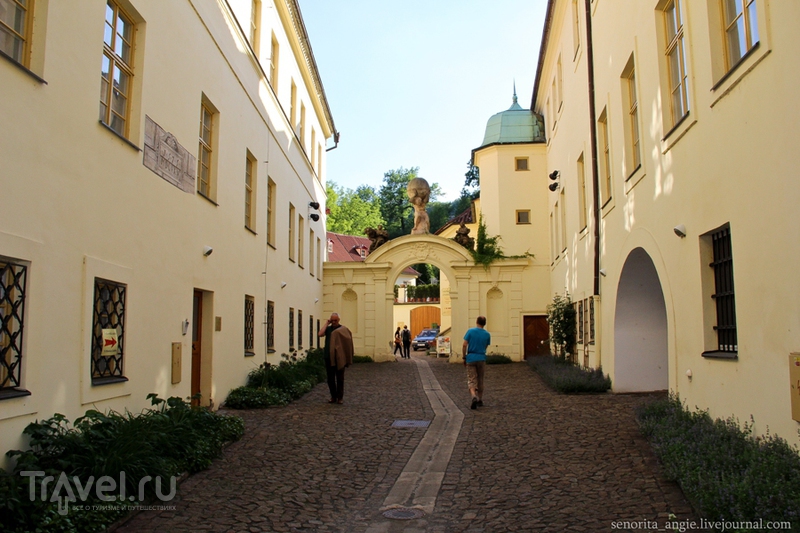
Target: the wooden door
(197, 334)
(537, 332)
(423, 318)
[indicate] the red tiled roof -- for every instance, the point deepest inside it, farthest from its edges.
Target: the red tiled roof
(346, 248)
(465, 217)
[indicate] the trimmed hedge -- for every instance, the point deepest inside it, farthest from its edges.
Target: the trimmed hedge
(496, 359)
(724, 471)
(566, 377)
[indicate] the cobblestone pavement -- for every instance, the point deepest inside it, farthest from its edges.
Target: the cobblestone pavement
(529, 460)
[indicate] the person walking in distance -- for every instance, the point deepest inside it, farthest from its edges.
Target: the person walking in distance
(406, 343)
(476, 341)
(398, 342)
(338, 354)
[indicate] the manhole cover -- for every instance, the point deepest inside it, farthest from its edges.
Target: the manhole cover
(411, 423)
(402, 513)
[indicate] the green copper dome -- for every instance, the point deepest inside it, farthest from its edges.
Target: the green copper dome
(514, 125)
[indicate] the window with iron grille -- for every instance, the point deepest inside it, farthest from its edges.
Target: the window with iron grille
(291, 329)
(318, 338)
(249, 325)
(580, 322)
(13, 278)
(591, 320)
(299, 330)
(108, 332)
(586, 321)
(723, 291)
(270, 327)
(311, 331)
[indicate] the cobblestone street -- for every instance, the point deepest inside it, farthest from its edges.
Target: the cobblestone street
(529, 460)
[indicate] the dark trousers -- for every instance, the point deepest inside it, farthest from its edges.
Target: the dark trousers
(398, 347)
(335, 381)
(407, 350)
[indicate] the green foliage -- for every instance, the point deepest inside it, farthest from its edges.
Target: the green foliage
(497, 359)
(171, 438)
(472, 178)
(487, 249)
(362, 359)
(279, 384)
(724, 471)
(395, 207)
(422, 291)
(563, 327)
(351, 211)
(566, 377)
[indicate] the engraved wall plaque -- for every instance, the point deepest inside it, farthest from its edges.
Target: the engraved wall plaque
(164, 155)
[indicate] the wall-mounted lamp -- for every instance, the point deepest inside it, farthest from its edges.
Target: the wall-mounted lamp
(689, 374)
(316, 300)
(314, 217)
(554, 175)
(313, 205)
(553, 187)
(680, 230)
(207, 250)
(185, 326)
(602, 272)
(283, 284)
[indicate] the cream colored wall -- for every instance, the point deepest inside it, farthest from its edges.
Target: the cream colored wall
(723, 164)
(79, 204)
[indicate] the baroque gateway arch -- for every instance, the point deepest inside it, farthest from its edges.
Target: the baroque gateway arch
(363, 294)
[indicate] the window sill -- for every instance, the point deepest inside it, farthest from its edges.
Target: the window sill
(271, 350)
(717, 354)
(97, 382)
(207, 198)
(634, 178)
(251, 230)
(677, 132)
(249, 354)
(7, 394)
(737, 72)
(22, 67)
(122, 138)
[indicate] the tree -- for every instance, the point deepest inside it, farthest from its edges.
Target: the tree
(472, 181)
(353, 210)
(395, 206)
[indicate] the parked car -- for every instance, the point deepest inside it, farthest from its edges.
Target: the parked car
(426, 339)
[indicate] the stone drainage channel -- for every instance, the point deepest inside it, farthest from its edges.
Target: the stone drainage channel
(413, 495)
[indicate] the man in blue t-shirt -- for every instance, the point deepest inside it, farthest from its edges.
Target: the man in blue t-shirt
(475, 342)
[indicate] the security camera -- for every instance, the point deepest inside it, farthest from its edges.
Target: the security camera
(680, 230)
(207, 250)
(314, 217)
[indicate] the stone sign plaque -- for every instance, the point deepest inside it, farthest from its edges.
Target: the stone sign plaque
(167, 158)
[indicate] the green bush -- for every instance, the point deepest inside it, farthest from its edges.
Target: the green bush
(362, 359)
(566, 377)
(497, 359)
(171, 438)
(724, 471)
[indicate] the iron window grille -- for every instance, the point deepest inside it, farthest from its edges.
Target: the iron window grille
(270, 327)
(299, 330)
(108, 314)
(13, 278)
(318, 328)
(591, 320)
(311, 331)
(291, 328)
(249, 325)
(580, 322)
(724, 292)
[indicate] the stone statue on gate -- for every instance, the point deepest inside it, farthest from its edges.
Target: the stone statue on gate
(419, 192)
(377, 237)
(462, 237)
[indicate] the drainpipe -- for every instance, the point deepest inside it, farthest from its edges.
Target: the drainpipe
(593, 131)
(335, 141)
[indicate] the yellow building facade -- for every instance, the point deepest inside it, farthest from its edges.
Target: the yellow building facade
(162, 199)
(670, 141)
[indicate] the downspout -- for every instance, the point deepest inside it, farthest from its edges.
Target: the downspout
(593, 133)
(335, 141)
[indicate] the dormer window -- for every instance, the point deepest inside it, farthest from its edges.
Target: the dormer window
(362, 252)
(330, 246)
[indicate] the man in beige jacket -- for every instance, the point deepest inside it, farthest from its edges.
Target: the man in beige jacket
(338, 354)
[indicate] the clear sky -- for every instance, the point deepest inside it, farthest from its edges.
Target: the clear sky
(411, 83)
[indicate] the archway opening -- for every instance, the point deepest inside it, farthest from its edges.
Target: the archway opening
(421, 303)
(640, 328)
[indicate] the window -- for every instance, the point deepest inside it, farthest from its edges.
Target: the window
(249, 325)
(556, 104)
(255, 25)
(591, 320)
(362, 251)
(301, 245)
(299, 330)
(319, 257)
(563, 203)
(293, 106)
(723, 296)
(271, 212)
(301, 134)
(521, 163)
(13, 281)
(676, 61)
(108, 332)
(523, 216)
(581, 330)
(249, 189)
(291, 232)
(313, 148)
(311, 331)
(311, 251)
(576, 27)
(330, 246)
(117, 69)
(318, 328)
(605, 158)
(741, 29)
(582, 217)
(270, 326)
(553, 246)
(631, 105)
(205, 151)
(274, 56)
(560, 84)
(15, 29)
(319, 159)
(291, 329)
